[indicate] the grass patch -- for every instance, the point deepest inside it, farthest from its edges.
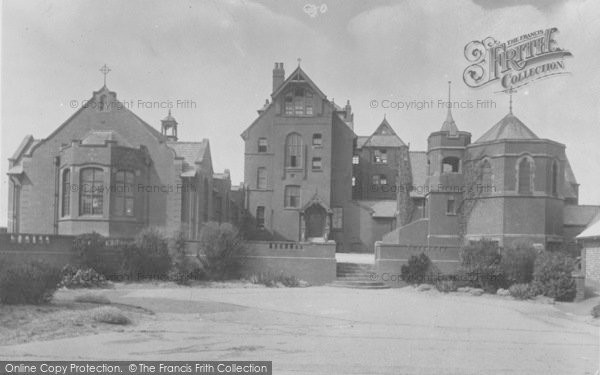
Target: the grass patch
(92, 298)
(110, 315)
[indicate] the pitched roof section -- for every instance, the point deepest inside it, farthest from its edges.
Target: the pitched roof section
(360, 141)
(192, 154)
(593, 230)
(580, 215)
(299, 75)
(384, 136)
(99, 138)
(382, 209)
(510, 127)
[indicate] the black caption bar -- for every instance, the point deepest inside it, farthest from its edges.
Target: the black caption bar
(136, 367)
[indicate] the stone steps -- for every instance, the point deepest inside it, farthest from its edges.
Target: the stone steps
(357, 276)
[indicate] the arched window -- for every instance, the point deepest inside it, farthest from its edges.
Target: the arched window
(66, 193)
(525, 175)
(450, 164)
(123, 201)
(261, 178)
(486, 178)
(206, 196)
(293, 151)
(554, 178)
(91, 191)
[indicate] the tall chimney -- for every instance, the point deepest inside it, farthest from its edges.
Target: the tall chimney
(278, 75)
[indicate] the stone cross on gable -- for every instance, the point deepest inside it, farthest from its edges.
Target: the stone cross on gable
(105, 70)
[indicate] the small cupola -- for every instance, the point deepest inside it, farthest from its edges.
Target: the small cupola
(169, 127)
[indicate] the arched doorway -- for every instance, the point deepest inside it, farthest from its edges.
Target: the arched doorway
(315, 217)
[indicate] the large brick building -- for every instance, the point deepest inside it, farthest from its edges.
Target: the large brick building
(106, 170)
(310, 177)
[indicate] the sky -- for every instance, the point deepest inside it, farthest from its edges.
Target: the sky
(212, 62)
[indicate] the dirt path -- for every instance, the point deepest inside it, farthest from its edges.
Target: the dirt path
(322, 330)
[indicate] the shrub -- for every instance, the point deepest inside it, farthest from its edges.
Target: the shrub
(521, 291)
(73, 277)
(181, 268)
(517, 264)
(110, 315)
(92, 298)
(552, 276)
(30, 283)
(148, 257)
(271, 280)
(446, 285)
(480, 263)
(222, 250)
(596, 311)
(418, 270)
(94, 255)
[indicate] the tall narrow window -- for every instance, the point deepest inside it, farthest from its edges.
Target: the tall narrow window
(317, 140)
(260, 217)
(293, 151)
(261, 178)
(66, 193)
(91, 191)
(292, 196)
(486, 178)
(355, 159)
(524, 176)
(450, 206)
(123, 194)
(206, 200)
(103, 103)
(554, 178)
(375, 179)
(262, 145)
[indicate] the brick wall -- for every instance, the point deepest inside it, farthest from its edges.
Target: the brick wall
(389, 259)
(591, 263)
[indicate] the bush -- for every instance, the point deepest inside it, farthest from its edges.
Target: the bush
(596, 311)
(30, 283)
(480, 263)
(148, 257)
(81, 278)
(446, 285)
(94, 255)
(552, 276)
(417, 270)
(517, 264)
(222, 250)
(522, 291)
(183, 269)
(110, 315)
(271, 280)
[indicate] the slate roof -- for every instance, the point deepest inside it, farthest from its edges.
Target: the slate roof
(418, 166)
(383, 136)
(192, 153)
(360, 141)
(579, 215)
(99, 138)
(449, 125)
(593, 230)
(510, 127)
(382, 209)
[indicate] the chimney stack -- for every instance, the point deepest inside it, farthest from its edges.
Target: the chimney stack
(278, 75)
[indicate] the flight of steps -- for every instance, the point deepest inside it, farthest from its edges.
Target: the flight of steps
(357, 275)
